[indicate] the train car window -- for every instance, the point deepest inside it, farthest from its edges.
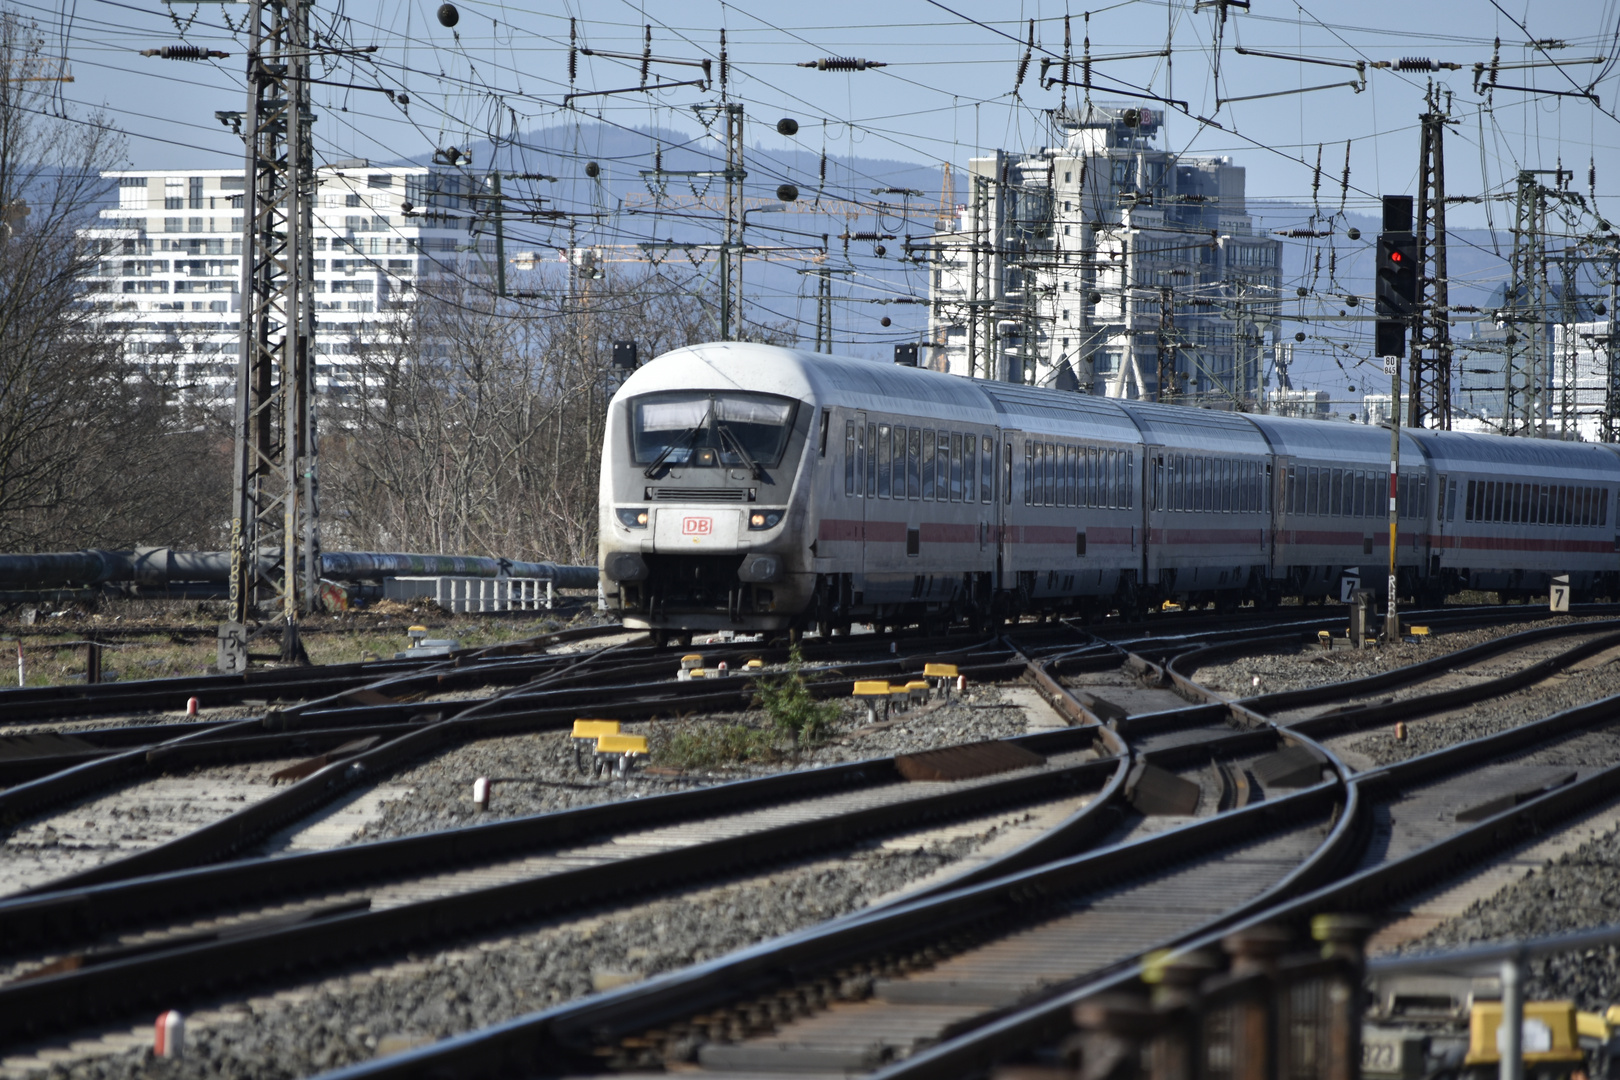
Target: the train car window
(1520, 516)
(1291, 496)
(1539, 503)
(942, 483)
(1180, 486)
(1130, 479)
(860, 459)
(1066, 485)
(1090, 496)
(1451, 501)
(1347, 502)
(1312, 475)
(1230, 489)
(956, 466)
(1469, 502)
(826, 422)
(1336, 501)
(899, 462)
(1603, 508)
(987, 470)
(849, 457)
(1496, 503)
(885, 460)
(914, 464)
(928, 447)
(1421, 496)
(1493, 500)
(1115, 477)
(1358, 498)
(970, 454)
(1223, 485)
(1054, 474)
(872, 460)
(1586, 507)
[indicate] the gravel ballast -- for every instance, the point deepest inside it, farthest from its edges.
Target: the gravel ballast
(536, 773)
(1577, 891)
(354, 1018)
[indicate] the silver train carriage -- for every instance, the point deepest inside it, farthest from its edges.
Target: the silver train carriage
(755, 488)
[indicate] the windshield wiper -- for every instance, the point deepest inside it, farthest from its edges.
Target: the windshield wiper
(736, 444)
(689, 438)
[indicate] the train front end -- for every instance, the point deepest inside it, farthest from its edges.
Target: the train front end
(700, 464)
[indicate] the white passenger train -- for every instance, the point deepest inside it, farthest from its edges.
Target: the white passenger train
(749, 487)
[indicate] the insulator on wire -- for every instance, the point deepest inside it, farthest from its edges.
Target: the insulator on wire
(842, 63)
(185, 52)
(573, 51)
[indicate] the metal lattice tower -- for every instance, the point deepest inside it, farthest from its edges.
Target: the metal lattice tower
(731, 251)
(275, 547)
(1429, 394)
(1524, 404)
(1610, 423)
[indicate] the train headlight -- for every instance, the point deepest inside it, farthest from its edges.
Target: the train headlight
(764, 519)
(632, 517)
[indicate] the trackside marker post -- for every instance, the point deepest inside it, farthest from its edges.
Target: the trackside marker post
(169, 1035)
(481, 792)
(192, 705)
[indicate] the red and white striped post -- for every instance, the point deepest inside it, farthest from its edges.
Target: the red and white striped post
(169, 1035)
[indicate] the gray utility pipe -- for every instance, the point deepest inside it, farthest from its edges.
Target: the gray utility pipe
(163, 566)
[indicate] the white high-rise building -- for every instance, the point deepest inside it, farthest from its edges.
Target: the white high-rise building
(1104, 264)
(170, 271)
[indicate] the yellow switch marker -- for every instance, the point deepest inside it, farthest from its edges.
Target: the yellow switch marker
(594, 729)
(622, 744)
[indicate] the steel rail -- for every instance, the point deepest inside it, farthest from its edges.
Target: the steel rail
(1370, 891)
(226, 836)
(57, 1001)
(560, 1038)
(552, 1039)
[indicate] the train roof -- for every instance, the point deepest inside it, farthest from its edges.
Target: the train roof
(817, 377)
(1494, 453)
(1038, 411)
(1346, 443)
(1206, 431)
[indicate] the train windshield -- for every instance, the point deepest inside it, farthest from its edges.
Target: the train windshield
(711, 428)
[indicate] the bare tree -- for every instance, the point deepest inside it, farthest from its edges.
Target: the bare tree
(477, 426)
(92, 449)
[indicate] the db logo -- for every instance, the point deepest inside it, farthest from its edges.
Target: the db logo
(697, 526)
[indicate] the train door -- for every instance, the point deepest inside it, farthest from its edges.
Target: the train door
(1151, 493)
(865, 488)
(1005, 577)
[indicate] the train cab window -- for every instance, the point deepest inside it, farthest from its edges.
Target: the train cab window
(987, 470)
(914, 464)
(725, 429)
(929, 444)
(849, 457)
(885, 460)
(826, 422)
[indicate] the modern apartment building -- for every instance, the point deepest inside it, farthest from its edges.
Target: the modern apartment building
(1108, 266)
(170, 272)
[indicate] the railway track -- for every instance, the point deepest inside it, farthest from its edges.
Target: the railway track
(1214, 748)
(953, 968)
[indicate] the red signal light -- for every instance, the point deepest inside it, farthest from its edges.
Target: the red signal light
(1394, 256)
